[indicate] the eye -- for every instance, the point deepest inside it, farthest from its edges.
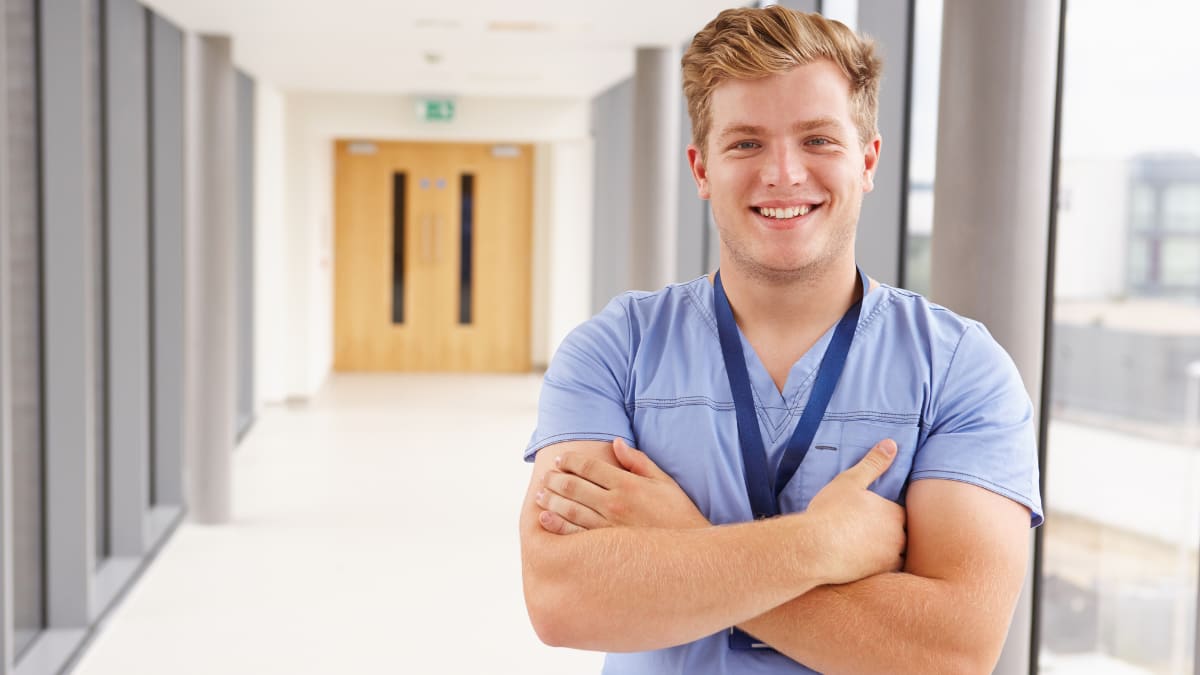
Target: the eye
(745, 145)
(819, 141)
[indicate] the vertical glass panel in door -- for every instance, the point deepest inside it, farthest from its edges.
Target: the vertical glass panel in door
(1118, 588)
(467, 220)
(398, 205)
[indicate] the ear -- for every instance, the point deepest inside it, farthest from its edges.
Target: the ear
(699, 171)
(870, 163)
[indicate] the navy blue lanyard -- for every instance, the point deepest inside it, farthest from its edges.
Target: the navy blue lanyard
(764, 490)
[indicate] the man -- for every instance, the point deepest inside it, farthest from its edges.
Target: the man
(832, 475)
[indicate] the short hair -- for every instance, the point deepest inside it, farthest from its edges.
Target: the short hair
(747, 43)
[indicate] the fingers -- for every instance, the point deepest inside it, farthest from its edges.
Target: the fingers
(589, 468)
(635, 460)
(574, 488)
(871, 467)
(572, 513)
(555, 524)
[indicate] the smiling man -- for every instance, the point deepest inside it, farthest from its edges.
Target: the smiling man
(831, 475)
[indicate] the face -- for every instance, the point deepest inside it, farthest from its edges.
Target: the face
(785, 172)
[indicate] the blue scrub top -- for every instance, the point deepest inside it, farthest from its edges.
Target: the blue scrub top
(649, 369)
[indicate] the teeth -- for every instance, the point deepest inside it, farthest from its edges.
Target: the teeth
(789, 212)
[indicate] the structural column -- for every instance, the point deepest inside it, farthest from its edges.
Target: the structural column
(656, 86)
(993, 192)
(884, 212)
(211, 255)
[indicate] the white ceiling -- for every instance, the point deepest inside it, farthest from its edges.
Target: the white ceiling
(567, 48)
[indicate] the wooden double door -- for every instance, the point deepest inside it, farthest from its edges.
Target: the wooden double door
(432, 256)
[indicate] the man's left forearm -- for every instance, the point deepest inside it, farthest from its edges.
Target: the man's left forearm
(889, 623)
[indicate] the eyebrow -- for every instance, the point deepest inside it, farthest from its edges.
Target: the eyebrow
(797, 128)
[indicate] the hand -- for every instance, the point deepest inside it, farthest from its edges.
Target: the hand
(585, 493)
(862, 533)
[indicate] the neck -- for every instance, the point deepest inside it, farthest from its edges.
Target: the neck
(777, 309)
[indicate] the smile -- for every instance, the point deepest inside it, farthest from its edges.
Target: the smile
(786, 212)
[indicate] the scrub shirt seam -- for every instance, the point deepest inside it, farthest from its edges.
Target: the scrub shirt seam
(772, 428)
(904, 419)
(950, 364)
(874, 416)
(860, 328)
(794, 408)
(950, 475)
(553, 439)
(627, 395)
(865, 323)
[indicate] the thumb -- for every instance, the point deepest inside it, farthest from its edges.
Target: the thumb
(872, 466)
(634, 460)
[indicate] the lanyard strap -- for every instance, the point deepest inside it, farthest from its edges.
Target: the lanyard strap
(764, 489)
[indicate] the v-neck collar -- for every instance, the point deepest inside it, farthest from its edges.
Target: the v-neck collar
(777, 410)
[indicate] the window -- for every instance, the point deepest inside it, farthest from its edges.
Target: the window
(1118, 583)
(1164, 226)
(927, 41)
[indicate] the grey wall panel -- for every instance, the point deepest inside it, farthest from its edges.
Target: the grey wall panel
(23, 322)
(7, 605)
(127, 275)
(245, 225)
(802, 5)
(612, 135)
(68, 291)
(881, 225)
(691, 243)
(167, 268)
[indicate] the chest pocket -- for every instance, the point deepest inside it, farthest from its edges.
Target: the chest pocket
(839, 446)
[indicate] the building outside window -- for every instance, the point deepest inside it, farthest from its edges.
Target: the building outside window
(1118, 587)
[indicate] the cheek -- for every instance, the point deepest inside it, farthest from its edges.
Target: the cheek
(848, 180)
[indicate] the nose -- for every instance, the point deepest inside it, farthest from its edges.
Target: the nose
(784, 167)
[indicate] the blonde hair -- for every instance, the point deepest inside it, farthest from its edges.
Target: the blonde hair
(745, 44)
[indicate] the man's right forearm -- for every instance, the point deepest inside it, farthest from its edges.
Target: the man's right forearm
(635, 589)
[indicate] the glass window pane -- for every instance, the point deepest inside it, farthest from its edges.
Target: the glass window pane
(24, 258)
(1120, 546)
(398, 206)
(467, 218)
(927, 41)
(1139, 262)
(1141, 199)
(1181, 207)
(1181, 261)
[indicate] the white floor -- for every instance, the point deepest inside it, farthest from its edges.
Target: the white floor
(375, 532)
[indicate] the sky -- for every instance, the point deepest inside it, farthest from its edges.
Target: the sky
(1131, 81)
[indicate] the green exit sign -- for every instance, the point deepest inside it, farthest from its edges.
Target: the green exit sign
(435, 110)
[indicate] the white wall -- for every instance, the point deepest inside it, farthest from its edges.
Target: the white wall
(569, 244)
(270, 241)
(303, 304)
